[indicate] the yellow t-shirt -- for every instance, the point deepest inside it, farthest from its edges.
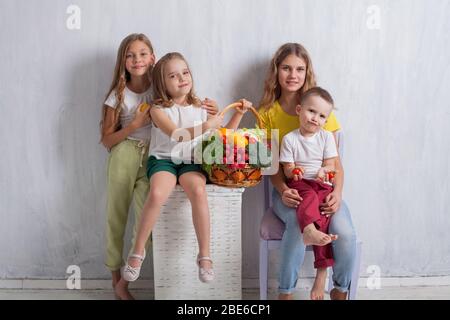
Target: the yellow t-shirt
(277, 118)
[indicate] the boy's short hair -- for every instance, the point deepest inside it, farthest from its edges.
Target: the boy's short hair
(317, 91)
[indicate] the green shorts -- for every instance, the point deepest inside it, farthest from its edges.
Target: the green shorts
(156, 165)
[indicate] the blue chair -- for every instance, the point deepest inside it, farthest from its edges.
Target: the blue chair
(271, 233)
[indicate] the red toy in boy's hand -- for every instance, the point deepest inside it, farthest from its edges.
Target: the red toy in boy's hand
(297, 171)
(331, 176)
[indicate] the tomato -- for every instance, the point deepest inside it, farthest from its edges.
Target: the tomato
(296, 171)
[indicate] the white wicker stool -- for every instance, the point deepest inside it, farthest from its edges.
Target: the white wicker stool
(175, 247)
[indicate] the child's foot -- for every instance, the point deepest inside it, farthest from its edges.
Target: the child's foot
(315, 237)
(205, 270)
(312, 236)
(132, 269)
(318, 289)
(121, 291)
(135, 260)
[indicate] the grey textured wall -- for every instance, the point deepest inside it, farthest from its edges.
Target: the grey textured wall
(387, 67)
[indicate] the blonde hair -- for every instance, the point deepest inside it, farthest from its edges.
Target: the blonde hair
(122, 76)
(272, 88)
(160, 95)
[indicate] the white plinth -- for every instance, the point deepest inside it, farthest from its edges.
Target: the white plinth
(175, 247)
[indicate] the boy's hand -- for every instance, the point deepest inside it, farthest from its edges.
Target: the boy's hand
(210, 106)
(297, 173)
(322, 175)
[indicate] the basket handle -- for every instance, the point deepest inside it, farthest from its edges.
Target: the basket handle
(252, 109)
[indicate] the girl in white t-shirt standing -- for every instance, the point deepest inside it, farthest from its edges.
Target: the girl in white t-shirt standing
(125, 133)
(178, 124)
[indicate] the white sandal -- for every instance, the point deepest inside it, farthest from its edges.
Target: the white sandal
(130, 273)
(205, 275)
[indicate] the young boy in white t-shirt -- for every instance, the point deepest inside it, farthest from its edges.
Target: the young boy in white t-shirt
(308, 155)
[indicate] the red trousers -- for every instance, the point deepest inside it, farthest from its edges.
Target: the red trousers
(313, 194)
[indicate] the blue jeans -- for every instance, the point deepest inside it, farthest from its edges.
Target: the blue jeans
(293, 249)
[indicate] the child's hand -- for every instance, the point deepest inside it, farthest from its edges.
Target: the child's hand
(245, 106)
(297, 173)
(322, 175)
(293, 172)
(142, 117)
(215, 122)
(210, 106)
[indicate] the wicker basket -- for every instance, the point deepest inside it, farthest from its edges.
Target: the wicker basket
(248, 176)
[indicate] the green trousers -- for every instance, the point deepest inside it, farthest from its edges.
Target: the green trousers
(126, 182)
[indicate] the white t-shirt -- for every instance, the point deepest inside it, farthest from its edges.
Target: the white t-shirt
(131, 102)
(308, 152)
(164, 147)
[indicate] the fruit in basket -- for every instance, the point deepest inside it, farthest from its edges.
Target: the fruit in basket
(254, 175)
(223, 131)
(238, 176)
(239, 140)
(219, 174)
(235, 158)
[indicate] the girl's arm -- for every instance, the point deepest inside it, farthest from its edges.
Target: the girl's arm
(112, 137)
(339, 177)
(167, 126)
(237, 116)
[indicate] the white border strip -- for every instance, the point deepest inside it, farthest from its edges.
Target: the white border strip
(303, 283)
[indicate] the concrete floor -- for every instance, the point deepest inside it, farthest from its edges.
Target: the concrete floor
(389, 293)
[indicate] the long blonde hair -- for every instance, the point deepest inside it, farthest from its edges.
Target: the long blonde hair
(160, 94)
(122, 76)
(272, 88)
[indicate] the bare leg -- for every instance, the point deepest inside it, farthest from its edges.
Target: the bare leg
(285, 296)
(120, 287)
(312, 236)
(193, 184)
(115, 277)
(318, 289)
(161, 185)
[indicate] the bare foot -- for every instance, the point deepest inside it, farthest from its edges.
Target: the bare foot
(318, 289)
(285, 296)
(312, 236)
(121, 291)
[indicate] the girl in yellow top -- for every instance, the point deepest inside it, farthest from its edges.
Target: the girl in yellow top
(290, 75)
